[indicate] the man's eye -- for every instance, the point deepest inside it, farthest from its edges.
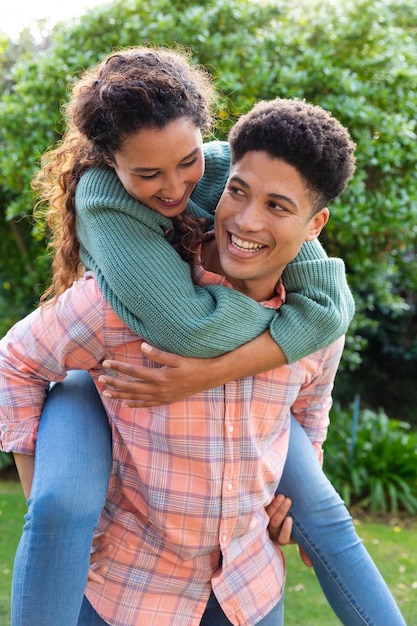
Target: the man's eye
(277, 207)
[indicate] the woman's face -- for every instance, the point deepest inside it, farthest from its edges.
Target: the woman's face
(160, 167)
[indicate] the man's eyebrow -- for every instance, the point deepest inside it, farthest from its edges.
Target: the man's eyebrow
(278, 197)
(237, 179)
(192, 154)
(274, 196)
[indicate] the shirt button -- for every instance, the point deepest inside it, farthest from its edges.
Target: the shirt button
(229, 487)
(230, 429)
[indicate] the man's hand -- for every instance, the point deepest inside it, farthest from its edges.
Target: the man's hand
(101, 549)
(280, 525)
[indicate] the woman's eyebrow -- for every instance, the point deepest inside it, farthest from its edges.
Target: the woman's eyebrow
(154, 169)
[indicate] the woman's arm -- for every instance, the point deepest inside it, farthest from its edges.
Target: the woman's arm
(150, 287)
(319, 305)
(181, 377)
(146, 282)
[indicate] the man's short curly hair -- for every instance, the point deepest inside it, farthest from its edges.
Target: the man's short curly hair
(306, 137)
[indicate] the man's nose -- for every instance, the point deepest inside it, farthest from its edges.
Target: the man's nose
(249, 217)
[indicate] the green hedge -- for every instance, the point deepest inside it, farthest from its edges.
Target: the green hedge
(356, 59)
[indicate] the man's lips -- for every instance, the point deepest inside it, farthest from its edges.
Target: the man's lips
(245, 245)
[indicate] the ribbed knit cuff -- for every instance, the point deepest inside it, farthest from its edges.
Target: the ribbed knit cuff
(310, 251)
(327, 275)
(318, 309)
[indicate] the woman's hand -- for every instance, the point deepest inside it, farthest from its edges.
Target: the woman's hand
(181, 377)
(178, 378)
(101, 548)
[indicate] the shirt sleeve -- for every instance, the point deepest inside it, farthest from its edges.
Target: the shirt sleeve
(39, 350)
(127, 246)
(312, 406)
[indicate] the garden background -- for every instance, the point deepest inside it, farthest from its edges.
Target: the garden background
(359, 60)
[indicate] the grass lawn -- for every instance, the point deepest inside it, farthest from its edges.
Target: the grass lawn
(392, 544)
(12, 510)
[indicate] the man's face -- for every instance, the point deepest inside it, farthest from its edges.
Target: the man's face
(262, 220)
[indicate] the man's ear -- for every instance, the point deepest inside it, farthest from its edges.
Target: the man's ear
(317, 223)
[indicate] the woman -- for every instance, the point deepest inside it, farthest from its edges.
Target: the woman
(102, 118)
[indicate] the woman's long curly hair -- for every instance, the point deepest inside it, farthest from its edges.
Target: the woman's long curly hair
(129, 90)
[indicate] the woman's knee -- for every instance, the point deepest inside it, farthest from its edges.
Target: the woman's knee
(53, 507)
(73, 453)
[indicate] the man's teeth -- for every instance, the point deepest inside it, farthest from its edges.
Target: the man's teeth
(245, 245)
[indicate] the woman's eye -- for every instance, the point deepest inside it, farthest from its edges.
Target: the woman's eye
(148, 176)
(189, 163)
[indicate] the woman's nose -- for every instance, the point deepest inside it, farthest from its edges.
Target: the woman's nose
(173, 187)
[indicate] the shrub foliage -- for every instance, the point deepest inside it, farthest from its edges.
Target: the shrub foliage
(372, 462)
(356, 59)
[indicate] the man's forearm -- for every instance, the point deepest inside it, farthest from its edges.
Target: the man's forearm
(25, 465)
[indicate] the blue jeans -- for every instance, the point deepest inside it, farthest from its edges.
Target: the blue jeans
(72, 469)
(352, 584)
(213, 615)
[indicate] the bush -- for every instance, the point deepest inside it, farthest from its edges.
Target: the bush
(6, 460)
(372, 461)
(356, 59)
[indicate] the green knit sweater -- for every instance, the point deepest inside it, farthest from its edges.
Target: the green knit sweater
(148, 285)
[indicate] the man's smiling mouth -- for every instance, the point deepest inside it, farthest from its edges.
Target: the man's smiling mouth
(245, 246)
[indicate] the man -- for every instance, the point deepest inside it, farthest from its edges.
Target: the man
(185, 511)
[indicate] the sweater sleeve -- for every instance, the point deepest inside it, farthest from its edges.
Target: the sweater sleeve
(150, 288)
(146, 282)
(318, 306)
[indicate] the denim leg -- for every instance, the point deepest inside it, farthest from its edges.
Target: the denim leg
(72, 469)
(89, 616)
(349, 578)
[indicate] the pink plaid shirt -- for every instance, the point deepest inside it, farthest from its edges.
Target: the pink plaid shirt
(190, 481)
